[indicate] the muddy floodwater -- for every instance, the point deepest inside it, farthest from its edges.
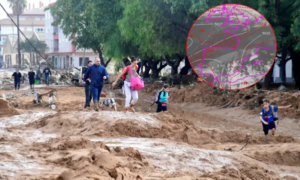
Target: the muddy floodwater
(186, 143)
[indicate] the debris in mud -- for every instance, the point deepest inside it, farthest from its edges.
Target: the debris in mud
(51, 103)
(12, 99)
(9, 96)
(31, 93)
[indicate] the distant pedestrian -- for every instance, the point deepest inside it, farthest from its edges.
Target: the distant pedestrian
(97, 74)
(87, 86)
(126, 76)
(268, 116)
(31, 75)
(38, 75)
(47, 73)
(17, 76)
(163, 99)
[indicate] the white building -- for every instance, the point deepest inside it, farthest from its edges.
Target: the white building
(32, 20)
(64, 55)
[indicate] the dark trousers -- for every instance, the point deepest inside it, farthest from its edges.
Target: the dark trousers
(17, 85)
(88, 95)
(268, 127)
(160, 107)
(96, 91)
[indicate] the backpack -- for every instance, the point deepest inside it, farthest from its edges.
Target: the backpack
(157, 97)
(274, 114)
(127, 70)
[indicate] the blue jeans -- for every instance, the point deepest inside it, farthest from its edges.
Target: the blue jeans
(88, 95)
(47, 78)
(17, 85)
(96, 91)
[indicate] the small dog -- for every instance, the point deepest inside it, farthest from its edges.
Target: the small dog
(109, 103)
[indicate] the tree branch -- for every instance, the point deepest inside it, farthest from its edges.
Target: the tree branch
(170, 63)
(162, 66)
(287, 7)
(107, 62)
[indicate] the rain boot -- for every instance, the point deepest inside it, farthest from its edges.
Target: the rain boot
(96, 105)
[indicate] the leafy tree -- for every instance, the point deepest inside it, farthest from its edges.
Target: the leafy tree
(157, 32)
(39, 45)
(18, 7)
(294, 49)
(93, 22)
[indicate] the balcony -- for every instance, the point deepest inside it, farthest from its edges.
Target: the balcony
(55, 32)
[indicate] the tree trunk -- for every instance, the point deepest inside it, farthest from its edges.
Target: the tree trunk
(174, 65)
(107, 62)
(282, 67)
(142, 67)
(296, 64)
(268, 78)
(146, 74)
(282, 72)
(19, 50)
(156, 70)
(139, 67)
(186, 68)
(153, 67)
(101, 56)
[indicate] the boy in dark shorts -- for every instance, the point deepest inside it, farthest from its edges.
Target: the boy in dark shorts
(268, 116)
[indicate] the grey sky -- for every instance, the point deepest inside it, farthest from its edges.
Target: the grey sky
(35, 2)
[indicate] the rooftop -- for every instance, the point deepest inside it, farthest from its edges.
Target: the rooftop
(32, 12)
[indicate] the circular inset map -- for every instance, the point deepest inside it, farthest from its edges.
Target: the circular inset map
(231, 46)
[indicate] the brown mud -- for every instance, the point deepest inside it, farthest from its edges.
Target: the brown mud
(196, 139)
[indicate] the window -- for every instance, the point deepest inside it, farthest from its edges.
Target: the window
(4, 40)
(39, 30)
(29, 29)
(37, 18)
(22, 18)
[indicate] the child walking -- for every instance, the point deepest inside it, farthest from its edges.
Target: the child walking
(163, 99)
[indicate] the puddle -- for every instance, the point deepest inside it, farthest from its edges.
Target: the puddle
(171, 156)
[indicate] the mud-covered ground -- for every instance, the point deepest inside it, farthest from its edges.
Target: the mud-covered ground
(196, 139)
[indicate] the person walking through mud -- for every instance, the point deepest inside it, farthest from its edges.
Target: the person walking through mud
(47, 73)
(97, 74)
(268, 116)
(17, 76)
(127, 85)
(31, 75)
(87, 86)
(163, 99)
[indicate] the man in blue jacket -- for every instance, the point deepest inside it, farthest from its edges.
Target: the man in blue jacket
(96, 73)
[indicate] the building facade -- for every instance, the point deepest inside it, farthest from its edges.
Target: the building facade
(32, 20)
(63, 53)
